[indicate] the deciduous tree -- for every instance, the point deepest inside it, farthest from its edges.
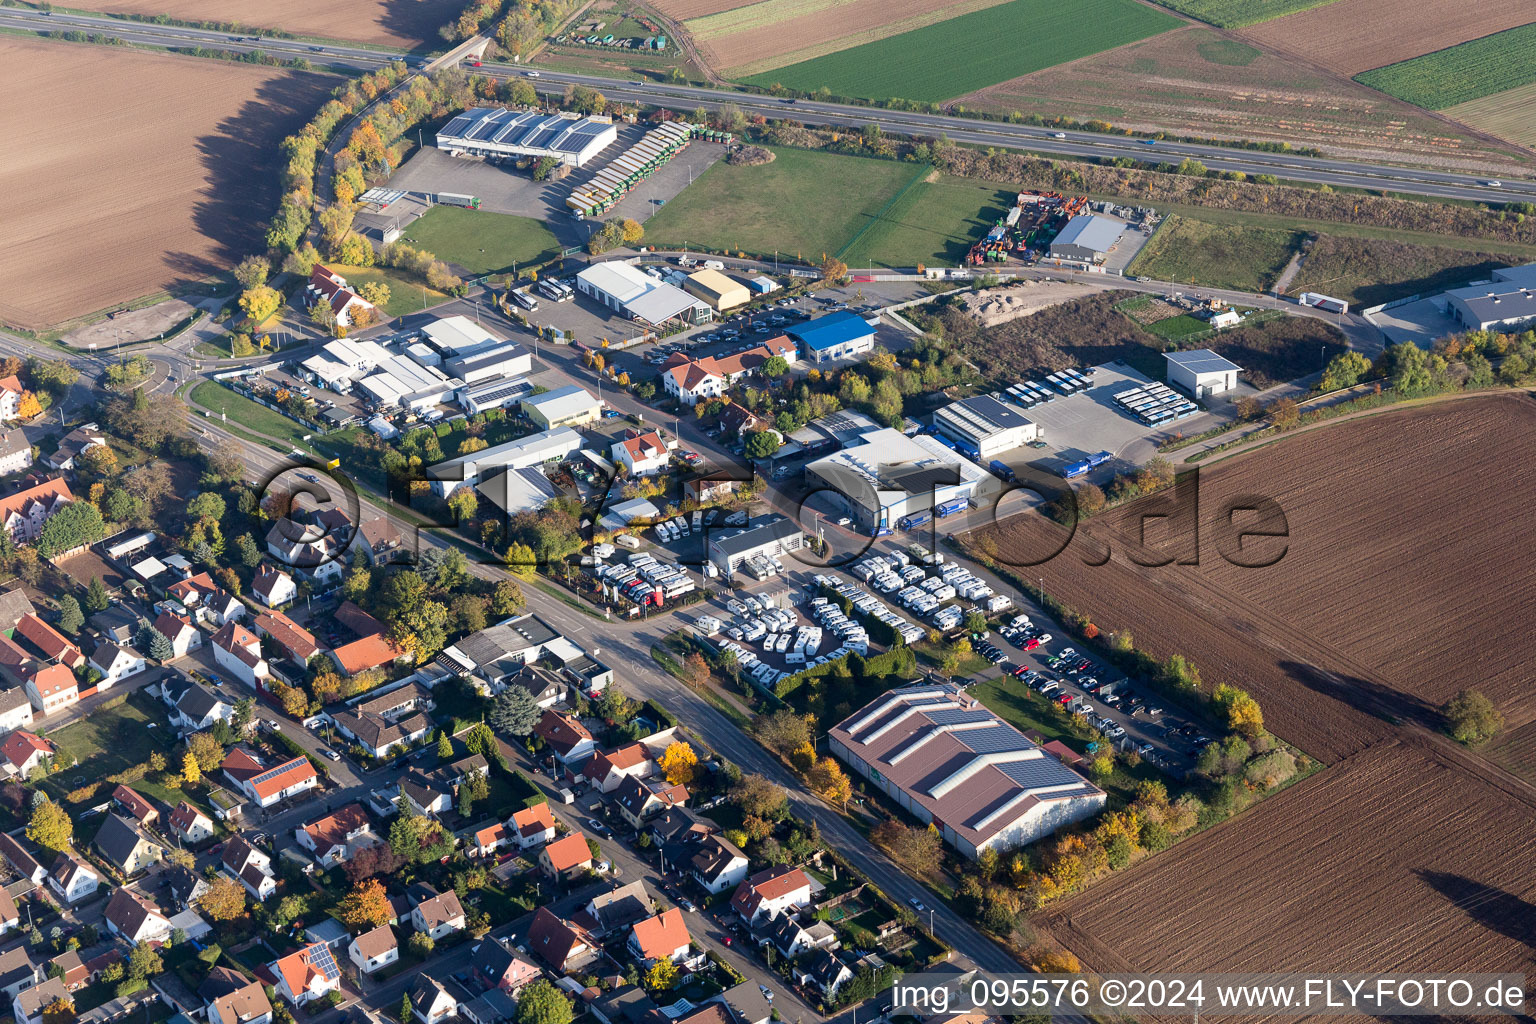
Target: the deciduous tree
(50, 826)
(678, 763)
(224, 900)
(1471, 718)
(366, 906)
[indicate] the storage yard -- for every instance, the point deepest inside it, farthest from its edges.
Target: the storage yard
(181, 197)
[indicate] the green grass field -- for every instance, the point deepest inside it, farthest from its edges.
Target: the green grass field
(803, 204)
(1196, 252)
(1176, 327)
(935, 223)
(975, 50)
(406, 294)
(106, 742)
(1459, 74)
(216, 398)
(479, 241)
(1238, 13)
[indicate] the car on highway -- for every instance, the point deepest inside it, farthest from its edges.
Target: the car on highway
(1149, 142)
(1058, 135)
(917, 905)
(473, 63)
(530, 74)
(1492, 183)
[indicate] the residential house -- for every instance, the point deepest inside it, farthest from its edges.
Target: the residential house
(771, 891)
(134, 918)
(567, 739)
(534, 826)
(639, 800)
(135, 806)
(125, 846)
(23, 514)
(493, 655)
(567, 857)
(27, 1005)
(338, 836)
(383, 724)
(306, 975)
(618, 910)
(430, 1001)
(308, 548)
(680, 825)
(20, 859)
(426, 794)
(15, 709)
(791, 938)
(737, 419)
(691, 380)
(186, 886)
(210, 603)
(826, 972)
(273, 587)
(747, 1003)
(495, 966)
(374, 949)
(439, 916)
(545, 687)
(238, 651)
(73, 445)
(229, 997)
(331, 288)
(663, 937)
(117, 624)
(627, 1004)
(190, 825)
(487, 839)
(366, 654)
(73, 879)
(249, 866)
(296, 642)
(178, 629)
(23, 751)
(49, 642)
(609, 768)
(115, 663)
(51, 688)
(709, 1013)
(641, 454)
(15, 449)
(17, 971)
(10, 398)
(266, 784)
(379, 539)
(560, 945)
(13, 605)
(718, 865)
(10, 917)
(70, 969)
(194, 707)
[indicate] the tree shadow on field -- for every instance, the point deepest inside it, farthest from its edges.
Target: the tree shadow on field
(243, 156)
(1385, 703)
(1488, 905)
(417, 21)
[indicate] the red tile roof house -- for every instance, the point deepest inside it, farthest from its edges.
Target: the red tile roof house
(53, 645)
(238, 651)
(10, 397)
(560, 945)
(772, 891)
(267, 784)
(135, 806)
(663, 937)
(534, 825)
(488, 840)
(568, 857)
(51, 688)
(296, 641)
(307, 975)
(338, 836)
(331, 288)
(23, 752)
(178, 629)
(642, 454)
(189, 824)
(606, 770)
(23, 514)
(214, 605)
(566, 737)
(370, 652)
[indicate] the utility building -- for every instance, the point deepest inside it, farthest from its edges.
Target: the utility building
(721, 292)
(570, 406)
(983, 427)
(834, 336)
(1087, 238)
(1200, 372)
(621, 287)
(886, 476)
(497, 135)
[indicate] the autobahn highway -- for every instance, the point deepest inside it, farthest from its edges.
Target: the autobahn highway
(1314, 170)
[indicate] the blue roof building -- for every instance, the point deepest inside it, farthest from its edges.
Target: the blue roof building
(834, 336)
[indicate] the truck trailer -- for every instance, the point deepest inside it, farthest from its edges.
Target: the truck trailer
(1319, 301)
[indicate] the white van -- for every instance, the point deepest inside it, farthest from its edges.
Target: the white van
(713, 265)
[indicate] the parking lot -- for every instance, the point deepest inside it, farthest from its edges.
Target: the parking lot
(1074, 427)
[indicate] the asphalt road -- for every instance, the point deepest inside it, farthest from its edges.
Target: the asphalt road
(1316, 170)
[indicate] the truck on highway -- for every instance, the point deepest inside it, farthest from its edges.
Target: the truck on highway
(1318, 301)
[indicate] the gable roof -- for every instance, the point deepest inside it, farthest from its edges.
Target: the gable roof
(368, 653)
(621, 907)
(13, 605)
(333, 829)
(440, 909)
(376, 942)
(562, 732)
(768, 884)
(297, 969)
(20, 746)
(127, 911)
(46, 639)
(48, 492)
(643, 447)
(268, 578)
(662, 935)
(530, 820)
(359, 622)
(48, 680)
(294, 638)
(567, 852)
(231, 998)
(118, 838)
(715, 855)
(134, 804)
(553, 939)
(630, 755)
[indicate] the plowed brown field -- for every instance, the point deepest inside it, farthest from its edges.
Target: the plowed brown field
(151, 170)
(404, 23)
(1351, 36)
(1406, 576)
(1401, 857)
(682, 10)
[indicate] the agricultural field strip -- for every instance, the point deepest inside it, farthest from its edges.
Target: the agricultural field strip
(1459, 74)
(768, 12)
(1506, 114)
(876, 14)
(365, 21)
(1238, 13)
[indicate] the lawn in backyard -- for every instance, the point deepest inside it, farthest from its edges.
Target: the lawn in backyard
(934, 223)
(107, 741)
(954, 57)
(480, 241)
(1196, 252)
(406, 294)
(803, 204)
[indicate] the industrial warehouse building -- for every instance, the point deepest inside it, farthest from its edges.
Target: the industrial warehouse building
(983, 427)
(948, 760)
(402, 381)
(1201, 372)
(1087, 238)
(524, 453)
(1505, 303)
(509, 359)
(770, 537)
(840, 335)
(570, 406)
(630, 168)
(494, 394)
(623, 288)
(721, 292)
(458, 336)
(497, 134)
(886, 475)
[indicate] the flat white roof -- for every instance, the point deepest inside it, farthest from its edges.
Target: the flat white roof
(561, 402)
(524, 452)
(1201, 360)
(458, 335)
(641, 295)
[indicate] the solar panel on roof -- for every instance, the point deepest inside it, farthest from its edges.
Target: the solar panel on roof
(1037, 772)
(958, 716)
(997, 740)
(320, 959)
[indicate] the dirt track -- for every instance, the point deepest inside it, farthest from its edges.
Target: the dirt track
(152, 170)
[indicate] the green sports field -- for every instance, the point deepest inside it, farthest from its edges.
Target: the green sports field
(1240, 13)
(803, 204)
(479, 241)
(1459, 74)
(935, 223)
(975, 50)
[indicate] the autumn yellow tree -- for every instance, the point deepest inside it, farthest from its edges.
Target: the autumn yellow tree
(260, 303)
(678, 763)
(224, 900)
(366, 905)
(803, 757)
(1243, 714)
(830, 782)
(28, 406)
(191, 773)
